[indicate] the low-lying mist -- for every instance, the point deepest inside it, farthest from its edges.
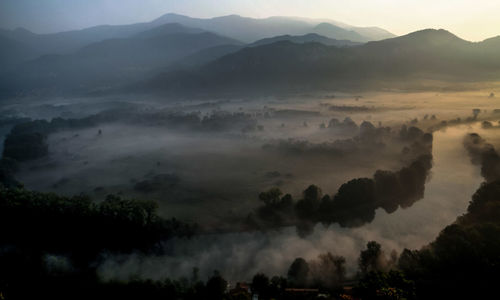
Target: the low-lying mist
(207, 163)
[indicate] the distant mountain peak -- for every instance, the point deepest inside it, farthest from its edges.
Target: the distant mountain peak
(230, 16)
(170, 18)
(172, 15)
(325, 24)
(433, 32)
(422, 39)
(435, 36)
(250, 29)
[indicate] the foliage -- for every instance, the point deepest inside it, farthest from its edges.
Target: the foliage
(34, 225)
(369, 258)
(388, 286)
(464, 260)
(25, 146)
(298, 272)
(261, 285)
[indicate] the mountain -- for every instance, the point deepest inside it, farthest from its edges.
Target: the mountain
(426, 54)
(13, 52)
(307, 38)
(336, 32)
(242, 28)
(203, 57)
(373, 33)
(250, 30)
(237, 27)
(69, 41)
(166, 29)
(113, 61)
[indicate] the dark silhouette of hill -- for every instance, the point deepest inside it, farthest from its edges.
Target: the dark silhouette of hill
(69, 41)
(112, 61)
(336, 32)
(166, 29)
(250, 30)
(205, 56)
(13, 52)
(306, 38)
(426, 54)
(237, 27)
(202, 57)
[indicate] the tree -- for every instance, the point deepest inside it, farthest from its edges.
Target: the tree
(260, 285)
(25, 146)
(277, 286)
(272, 196)
(307, 207)
(8, 167)
(354, 204)
(388, 286)
(339, 262)
(298, 272)
(327, 270)
(369, 258)
(216, 286)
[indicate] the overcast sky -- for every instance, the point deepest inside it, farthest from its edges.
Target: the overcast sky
(469, 19)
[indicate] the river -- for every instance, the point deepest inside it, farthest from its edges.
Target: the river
(240, 255)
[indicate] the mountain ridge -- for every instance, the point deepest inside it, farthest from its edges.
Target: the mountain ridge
(440, 54)
(237, 27)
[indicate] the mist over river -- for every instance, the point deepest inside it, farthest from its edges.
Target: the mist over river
(236, 255)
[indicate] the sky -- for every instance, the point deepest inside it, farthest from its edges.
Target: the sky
(469, 19)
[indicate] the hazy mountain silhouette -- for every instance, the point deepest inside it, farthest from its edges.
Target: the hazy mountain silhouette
(194, 60)
(335, 32)
(13, 52)
(237, 27)
(428, 54)
(307, 38)
(250, 30)
(373, 33)
(203, 57)
(166, 29)
(113, 61)
(243, 28)
(69, 41)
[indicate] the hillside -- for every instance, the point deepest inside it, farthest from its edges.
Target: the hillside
(424, 54)
(112, 61)
(13, 52)
(241, 28)
(336, 32)
(306, 38)
(250, 29)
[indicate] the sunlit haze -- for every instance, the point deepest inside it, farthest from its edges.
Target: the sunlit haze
(471, 20)
(249, 149)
